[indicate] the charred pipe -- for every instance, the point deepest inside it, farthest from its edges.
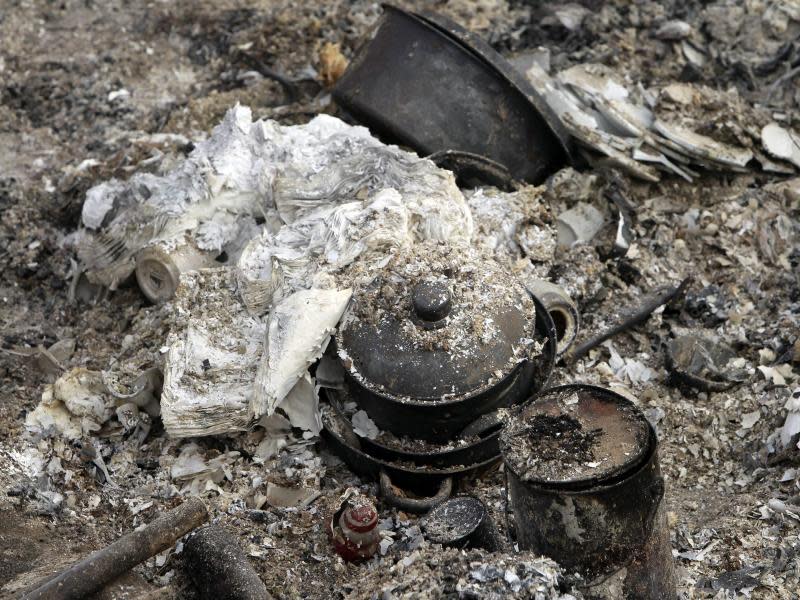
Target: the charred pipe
(562, 310)
(101, 568)
(629, 318)
(219, 568)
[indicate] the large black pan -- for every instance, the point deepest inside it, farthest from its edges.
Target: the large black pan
(425, 82)
(432, 483)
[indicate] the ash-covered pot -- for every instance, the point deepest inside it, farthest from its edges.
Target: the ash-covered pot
(587, 491)
(440, 337)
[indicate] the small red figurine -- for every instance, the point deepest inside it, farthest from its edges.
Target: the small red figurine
(353, 528)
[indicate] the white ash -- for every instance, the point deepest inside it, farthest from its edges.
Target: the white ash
(308, 252)
(350, 198)
(371, 203)
(512, 225)
(629, 370)
(214, 349)
(199, 475)
(355, 173)
(298, 332)
(224, 177)
(301, 406)
(431, 571)
(213, 195)
(77, 404)
(276, 432)
(364, 426)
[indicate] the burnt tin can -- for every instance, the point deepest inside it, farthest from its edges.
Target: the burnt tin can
(462, 522)
(586, 490)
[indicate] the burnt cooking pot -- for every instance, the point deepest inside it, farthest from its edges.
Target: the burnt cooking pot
(441, 339)
(482, 446)
(433, 483)
(425, 82)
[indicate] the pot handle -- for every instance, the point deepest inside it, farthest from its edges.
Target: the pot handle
(481, 425)
(414, 505)
(471, 166)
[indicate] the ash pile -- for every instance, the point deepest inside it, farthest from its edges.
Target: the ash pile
(458, 335)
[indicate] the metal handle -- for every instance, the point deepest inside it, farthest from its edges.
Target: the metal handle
(483, 424)
(414, 505)
(469, 166)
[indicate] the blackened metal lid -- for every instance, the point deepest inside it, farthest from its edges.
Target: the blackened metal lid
(437, 323)
(454, 520)
(574, 436)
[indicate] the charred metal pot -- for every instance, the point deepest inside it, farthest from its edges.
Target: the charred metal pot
(475, 445)
(413, 488)
(465, 449)
(425, 82)
(440, 338)
(586, 490)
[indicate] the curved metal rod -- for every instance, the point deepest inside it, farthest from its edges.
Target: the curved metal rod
(414, 505)
(291, 88)
(469, 166)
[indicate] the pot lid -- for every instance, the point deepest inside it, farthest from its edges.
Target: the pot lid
(437, 322)
(575, 436)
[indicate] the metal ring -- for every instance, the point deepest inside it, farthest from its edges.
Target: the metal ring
(483, 424)
(414, 505)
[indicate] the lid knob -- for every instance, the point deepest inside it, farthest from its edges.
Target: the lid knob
(431, 300)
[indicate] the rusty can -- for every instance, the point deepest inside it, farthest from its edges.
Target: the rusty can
(586, 490)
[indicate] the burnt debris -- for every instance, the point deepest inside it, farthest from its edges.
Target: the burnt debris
(545, 347)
